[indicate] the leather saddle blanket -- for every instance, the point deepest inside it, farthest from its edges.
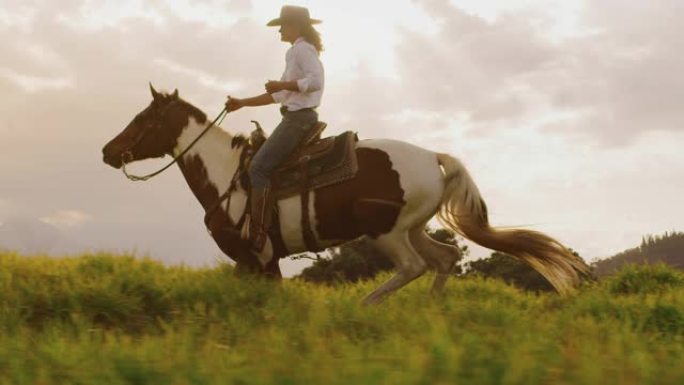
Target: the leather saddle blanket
(315, 163)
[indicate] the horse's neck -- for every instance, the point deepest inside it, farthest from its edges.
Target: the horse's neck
(209, 165)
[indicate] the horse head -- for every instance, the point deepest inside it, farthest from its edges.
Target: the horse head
(153, 132)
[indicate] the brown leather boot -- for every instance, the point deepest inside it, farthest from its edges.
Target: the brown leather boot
(259, 220)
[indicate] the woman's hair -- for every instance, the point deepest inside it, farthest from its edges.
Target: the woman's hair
(310, 34)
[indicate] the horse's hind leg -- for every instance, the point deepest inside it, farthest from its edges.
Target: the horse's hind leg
(440, 256)
(407, 261)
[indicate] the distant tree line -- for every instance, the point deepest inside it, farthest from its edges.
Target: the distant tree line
(667, 248)
(359, 260)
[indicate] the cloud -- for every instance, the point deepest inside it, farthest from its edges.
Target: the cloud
(471, 65)
(239, 5)
(34, 83)
(66, 218)
(611, 84)
(6, 207)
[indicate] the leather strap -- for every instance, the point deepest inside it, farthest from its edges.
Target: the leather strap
(275, 233)
(307, 233)
(226, 196)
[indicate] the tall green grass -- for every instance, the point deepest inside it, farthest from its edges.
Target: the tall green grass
(115, 319)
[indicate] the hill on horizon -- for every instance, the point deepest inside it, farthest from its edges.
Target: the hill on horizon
(667, 248)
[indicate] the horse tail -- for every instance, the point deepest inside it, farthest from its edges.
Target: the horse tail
(463, 210)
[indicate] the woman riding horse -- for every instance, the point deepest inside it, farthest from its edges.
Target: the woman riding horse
(299, 93)
(398, 188)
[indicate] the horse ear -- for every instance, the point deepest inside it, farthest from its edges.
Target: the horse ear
(155, 94)
(175, 94)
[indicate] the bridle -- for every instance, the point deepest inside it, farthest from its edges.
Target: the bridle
(129, 152)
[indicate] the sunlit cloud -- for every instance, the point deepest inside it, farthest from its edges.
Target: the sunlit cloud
(66, 218)
(204, 78)
(34, 83)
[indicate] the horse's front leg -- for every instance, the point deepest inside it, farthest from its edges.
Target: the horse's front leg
(228, 239)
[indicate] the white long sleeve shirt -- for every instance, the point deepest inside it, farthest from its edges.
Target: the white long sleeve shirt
(303, 65)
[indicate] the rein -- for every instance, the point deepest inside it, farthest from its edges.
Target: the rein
(128, 152)
(245, 157)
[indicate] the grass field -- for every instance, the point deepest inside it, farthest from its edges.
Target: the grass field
(108, 319)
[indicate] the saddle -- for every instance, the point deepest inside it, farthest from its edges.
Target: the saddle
(316, 162)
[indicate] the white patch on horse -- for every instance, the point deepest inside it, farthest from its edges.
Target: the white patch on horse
(219, 158)
(291, 223)
(419, 176)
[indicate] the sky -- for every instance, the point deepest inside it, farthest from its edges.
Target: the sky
(567, 113)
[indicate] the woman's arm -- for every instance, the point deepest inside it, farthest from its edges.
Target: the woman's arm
(274, 86)
(233, 104)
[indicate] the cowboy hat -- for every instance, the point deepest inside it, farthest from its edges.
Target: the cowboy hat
(292, 13)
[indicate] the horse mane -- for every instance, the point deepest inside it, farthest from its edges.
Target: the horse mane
(199, 115)
(193, 111)
(238, 140)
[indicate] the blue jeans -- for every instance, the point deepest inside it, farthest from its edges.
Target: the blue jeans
(279, 145)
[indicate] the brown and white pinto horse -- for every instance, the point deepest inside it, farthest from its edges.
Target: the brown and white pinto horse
(398, 189)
